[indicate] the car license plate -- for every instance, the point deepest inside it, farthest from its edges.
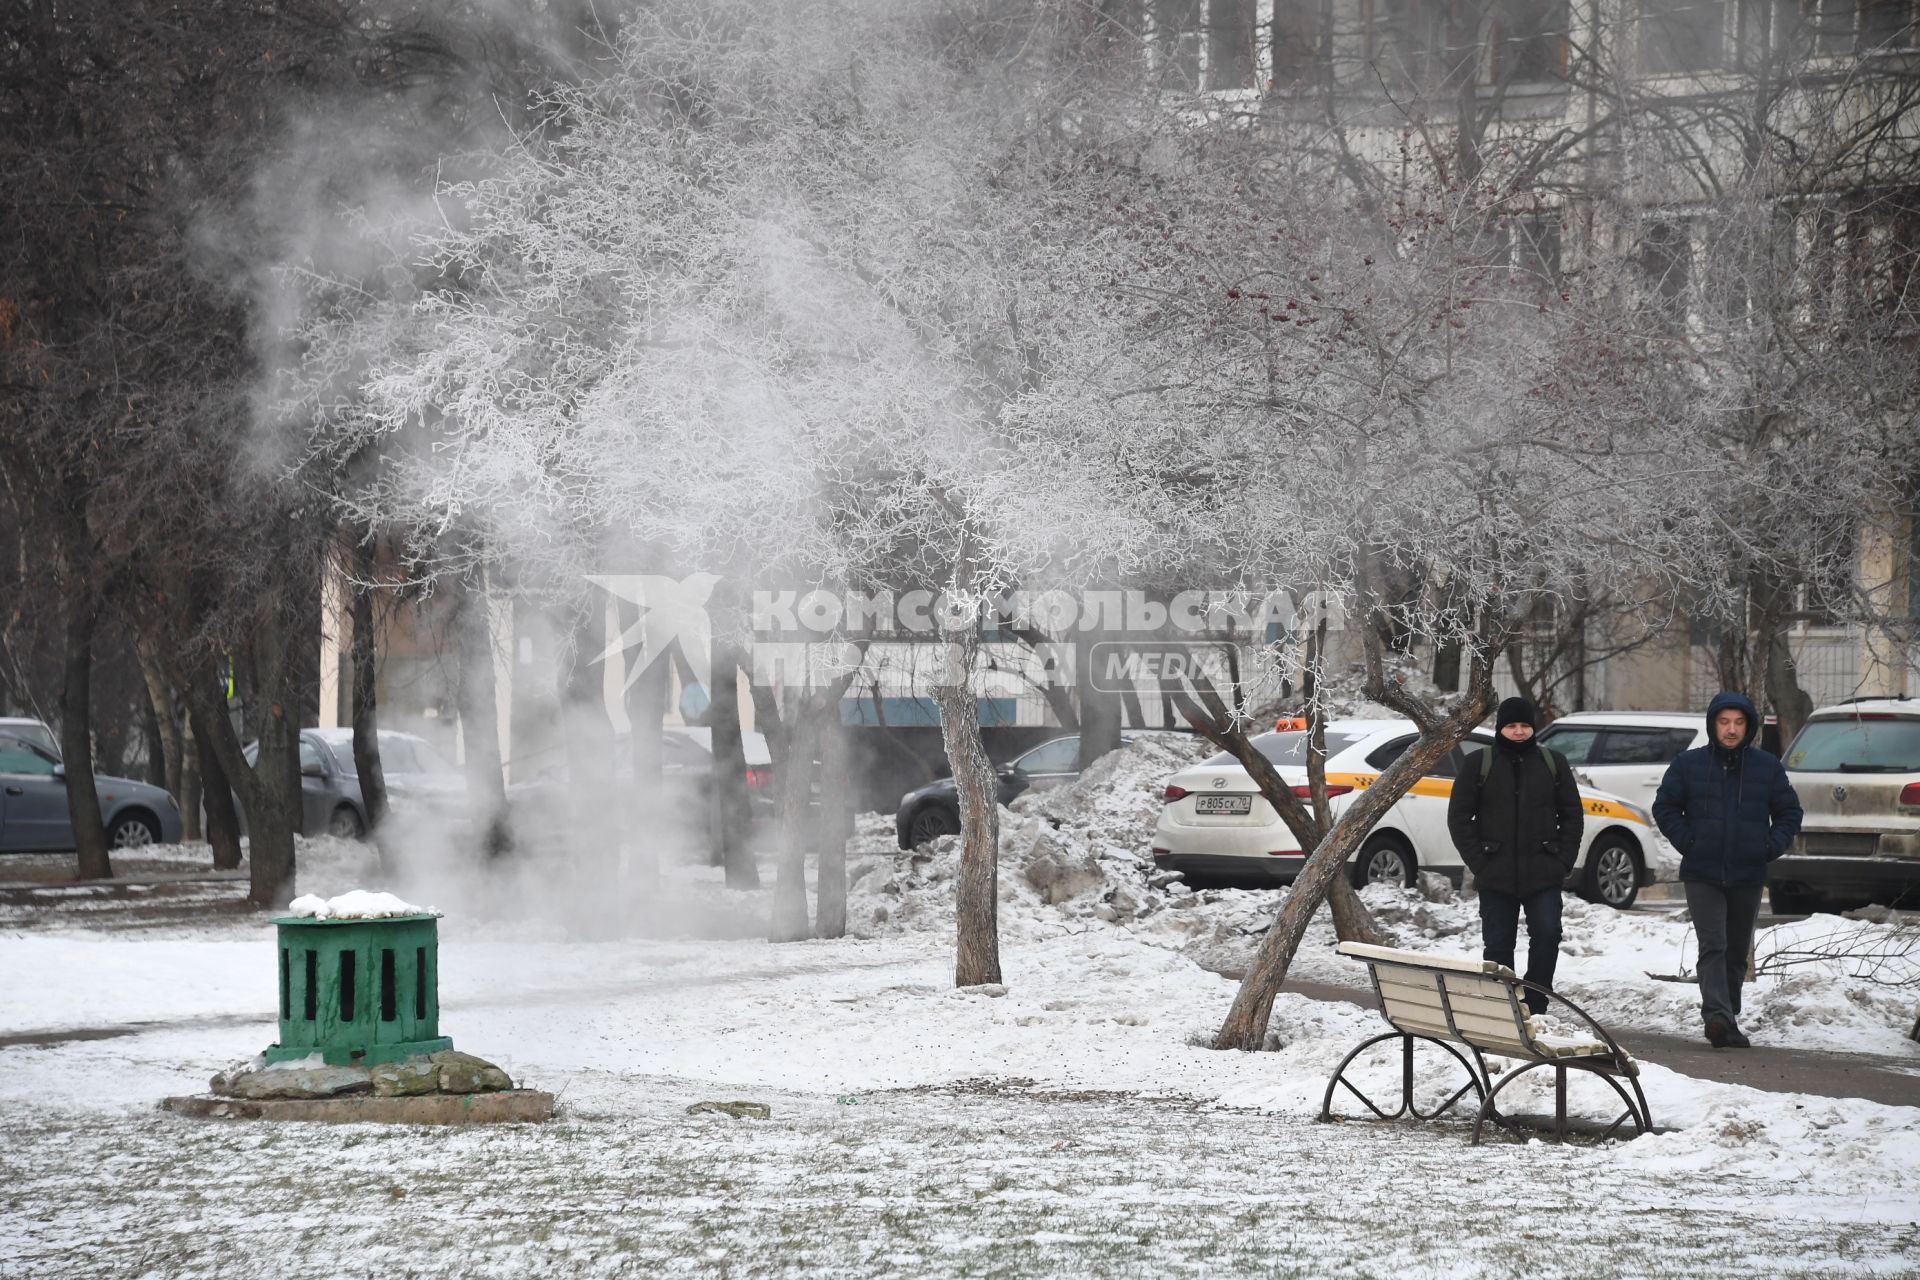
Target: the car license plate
(1223, 804)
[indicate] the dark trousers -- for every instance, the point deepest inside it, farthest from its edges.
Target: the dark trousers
(1723, 922)
(1500, 930)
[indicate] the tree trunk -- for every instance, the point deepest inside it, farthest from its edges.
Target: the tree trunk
(1352, 922)
(833, 825)
(216, 795)
(795, 777)
(1784, 694)
(1060, 698)
(1246, 1023)
(166, 719)
(727, 822)
(1100, 710)
(976, 891)
(645, 805)
(364, 657)
(274, 815)
(80, 604)
(586, 734)
(191, 789)
(154, 770)
(480, 721)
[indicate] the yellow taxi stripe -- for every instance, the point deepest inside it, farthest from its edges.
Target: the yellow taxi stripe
(1443, 789)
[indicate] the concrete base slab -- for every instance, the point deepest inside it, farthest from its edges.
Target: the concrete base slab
(512, 1106)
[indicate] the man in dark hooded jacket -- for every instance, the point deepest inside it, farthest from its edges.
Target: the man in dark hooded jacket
(1516, 820)
(1730, 810)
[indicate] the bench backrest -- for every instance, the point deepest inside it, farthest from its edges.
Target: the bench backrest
(1448, 997)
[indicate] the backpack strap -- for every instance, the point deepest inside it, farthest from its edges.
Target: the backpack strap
(1546, 753)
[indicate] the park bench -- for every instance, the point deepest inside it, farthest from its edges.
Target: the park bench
(1480, 1006)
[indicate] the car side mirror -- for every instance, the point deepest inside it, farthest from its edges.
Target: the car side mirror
(312, 771)
(60, 772)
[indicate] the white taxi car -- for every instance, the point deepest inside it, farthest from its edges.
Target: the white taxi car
(1217, 826)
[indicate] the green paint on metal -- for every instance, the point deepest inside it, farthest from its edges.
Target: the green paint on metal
(358, 992)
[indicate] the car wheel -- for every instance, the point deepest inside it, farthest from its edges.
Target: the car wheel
(1613, 872)
(1385, 859)
(133, 831)
(931, 823)
(1792, 900)
(345, 823)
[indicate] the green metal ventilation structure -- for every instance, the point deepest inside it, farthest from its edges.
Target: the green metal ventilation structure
(359, 992)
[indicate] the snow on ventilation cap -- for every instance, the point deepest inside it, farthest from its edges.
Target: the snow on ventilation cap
(356, 904)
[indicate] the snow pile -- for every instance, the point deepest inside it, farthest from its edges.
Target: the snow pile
(1077, 860)
(1068, 856)
(355, 904)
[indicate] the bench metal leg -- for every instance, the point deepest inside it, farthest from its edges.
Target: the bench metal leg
(1636, 1104)
(1476, 1079)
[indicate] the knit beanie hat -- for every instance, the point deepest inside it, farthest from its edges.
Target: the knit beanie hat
(1514, 711)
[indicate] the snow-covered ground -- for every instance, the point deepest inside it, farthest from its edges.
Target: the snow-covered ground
(1073, 1124)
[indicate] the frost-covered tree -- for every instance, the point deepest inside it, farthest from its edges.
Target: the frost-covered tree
(761, 302)
(1364, 400)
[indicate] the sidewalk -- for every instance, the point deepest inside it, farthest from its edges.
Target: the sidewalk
(1893, 1081)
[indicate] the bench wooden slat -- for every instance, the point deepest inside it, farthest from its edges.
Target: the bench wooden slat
(1490, 1002)
(1425, 960)
(1476, 1030)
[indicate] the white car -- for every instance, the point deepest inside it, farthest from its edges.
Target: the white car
(1627, 752)
(1217, 825)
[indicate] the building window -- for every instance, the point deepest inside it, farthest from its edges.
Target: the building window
(1665, 259)
(1523, 250)
(1230, 44)
(1885, 253)
(1913, 563)
(1886, 24)
(1176, 42)
(1299, 39)
(1409, 39)
(1767, 32)
(1841, 27)
(1529, 41)
(1681, 35)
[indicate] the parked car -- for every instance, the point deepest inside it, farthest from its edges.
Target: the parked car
(33, 804)
(686, 758)
(928, 812)
(1857, 769)
(418, 779)
(1217, 825)
(38, 732)
(1627, 752)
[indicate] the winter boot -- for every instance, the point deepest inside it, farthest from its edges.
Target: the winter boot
(1720, 1030)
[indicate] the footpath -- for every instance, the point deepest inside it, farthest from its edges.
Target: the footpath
(1894, 1081)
